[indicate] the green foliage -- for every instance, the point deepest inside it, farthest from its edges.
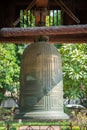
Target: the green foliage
(74, 60)
(9, 67)
(27, 19)
(54, 18)
(58, 46)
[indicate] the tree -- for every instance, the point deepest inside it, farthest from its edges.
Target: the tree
(74, 61)
(9, 68)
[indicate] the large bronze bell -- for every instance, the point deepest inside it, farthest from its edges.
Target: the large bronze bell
(41, 84)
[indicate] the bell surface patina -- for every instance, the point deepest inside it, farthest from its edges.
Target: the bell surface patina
(41, 84)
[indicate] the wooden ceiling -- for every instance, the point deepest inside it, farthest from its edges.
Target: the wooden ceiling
(73, 12)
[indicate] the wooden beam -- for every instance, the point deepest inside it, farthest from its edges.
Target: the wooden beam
(67, 38)
(50, 31)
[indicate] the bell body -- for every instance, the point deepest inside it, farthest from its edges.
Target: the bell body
(41, 86)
